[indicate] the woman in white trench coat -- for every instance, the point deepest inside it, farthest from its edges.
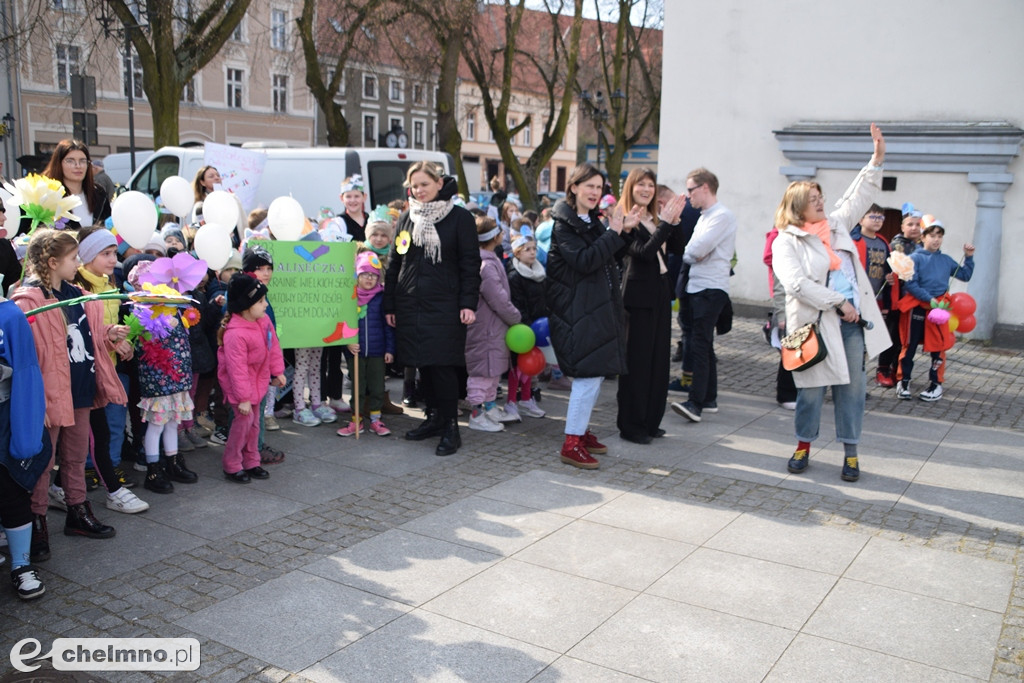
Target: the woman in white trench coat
(815, 260)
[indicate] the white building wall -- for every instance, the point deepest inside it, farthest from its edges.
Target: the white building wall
(737, 70)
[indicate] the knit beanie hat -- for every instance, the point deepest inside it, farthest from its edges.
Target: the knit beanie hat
(244, 291)
(140, 268)
(256, 257)
(367, 262)
(156, 243)
(234, 262)
(172, 230)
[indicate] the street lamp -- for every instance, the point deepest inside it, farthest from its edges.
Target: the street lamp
(594, 108)
(124, 33)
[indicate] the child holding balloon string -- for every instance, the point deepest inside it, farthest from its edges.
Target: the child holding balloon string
(526, 284)
(487, 355)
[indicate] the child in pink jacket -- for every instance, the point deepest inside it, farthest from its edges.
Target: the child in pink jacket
(249, 356)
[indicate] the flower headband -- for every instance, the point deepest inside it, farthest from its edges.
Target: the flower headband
(353, 184)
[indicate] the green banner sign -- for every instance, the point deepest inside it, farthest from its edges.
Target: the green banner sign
(313, 293)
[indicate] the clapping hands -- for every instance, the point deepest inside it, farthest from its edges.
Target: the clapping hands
(673, 209)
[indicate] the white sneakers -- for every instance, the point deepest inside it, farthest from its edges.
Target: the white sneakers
(529, 408)
(123, 500)
(500, 415)
(481, 422)
(57, 501)
(932, 393)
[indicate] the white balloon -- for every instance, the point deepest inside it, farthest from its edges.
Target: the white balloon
(286, 219)
(213, 246)
(549, 354)
(220, 207)
(134, 215)
(177, 195)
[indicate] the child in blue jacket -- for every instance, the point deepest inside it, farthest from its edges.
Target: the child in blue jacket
(932, 272)
(375, 348)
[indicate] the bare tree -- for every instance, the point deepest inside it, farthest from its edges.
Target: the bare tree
(514, 49)
(628, 65)
(173, 48)
(330, 32)
(448, 23)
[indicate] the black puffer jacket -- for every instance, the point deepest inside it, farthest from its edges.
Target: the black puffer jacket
(586, 318)
(527, 295)
(426, 297)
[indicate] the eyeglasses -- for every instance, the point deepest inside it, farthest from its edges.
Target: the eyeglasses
(690, 190)
(820, 199)
(76, 162)
(875, 217)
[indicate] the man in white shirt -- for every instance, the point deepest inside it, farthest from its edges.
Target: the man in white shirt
(709, 254)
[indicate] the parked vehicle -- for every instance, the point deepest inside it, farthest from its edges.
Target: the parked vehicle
(311, 175)
(119, 165)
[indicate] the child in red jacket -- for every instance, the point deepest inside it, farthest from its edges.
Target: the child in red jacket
(249, 356)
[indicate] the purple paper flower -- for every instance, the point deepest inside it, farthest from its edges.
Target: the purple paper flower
(156, 324)
(182, 272)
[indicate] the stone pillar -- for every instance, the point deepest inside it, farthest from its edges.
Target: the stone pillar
(988, 239)
(795, 173)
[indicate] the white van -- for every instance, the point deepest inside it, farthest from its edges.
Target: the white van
(119, 165)
(311, 175)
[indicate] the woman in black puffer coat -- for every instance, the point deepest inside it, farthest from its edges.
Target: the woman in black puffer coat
(587, 320)
(431, 291)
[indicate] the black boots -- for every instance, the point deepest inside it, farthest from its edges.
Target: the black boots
(40, 549)
(450, 439)
(81, 522)
(177, 471)
(432, 426)
(156, 479)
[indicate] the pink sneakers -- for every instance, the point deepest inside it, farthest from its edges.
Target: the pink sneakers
(379, 428)
(350, 428)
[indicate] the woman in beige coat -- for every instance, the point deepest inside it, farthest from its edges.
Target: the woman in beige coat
(815, 260)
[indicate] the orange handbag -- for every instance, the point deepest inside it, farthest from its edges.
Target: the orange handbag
(804, 348)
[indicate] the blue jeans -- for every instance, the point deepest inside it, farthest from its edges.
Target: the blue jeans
(117, 418)
(848, 399)
(582, 399)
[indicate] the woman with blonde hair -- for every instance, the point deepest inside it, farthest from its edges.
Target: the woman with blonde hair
(647, 297)
(431, 294)
(816, 261)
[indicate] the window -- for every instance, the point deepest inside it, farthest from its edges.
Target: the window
(471, 125)
(67, 65)
(135, 79)
(490, 134)
(279, 93)
(369, 87)
(526, 136)
(340, 95)
(234, 88)
(369, 130)
(512, 123)
(183, 12)
(188, 93)
(397, 93)
(419, 95)
(417, 134)
(67, 5)
(278, 29)
(396, 124)
(238, 35)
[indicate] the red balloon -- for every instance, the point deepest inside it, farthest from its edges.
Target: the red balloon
(963, 305)
(966, 324)
(532, 362)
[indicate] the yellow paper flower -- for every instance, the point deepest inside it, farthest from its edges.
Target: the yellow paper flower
(42, 199)
(165, 291)
(402, 242)
(902, 265)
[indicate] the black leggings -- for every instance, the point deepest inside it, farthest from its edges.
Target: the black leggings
(440, 387)
(15, 502)
(101, 449)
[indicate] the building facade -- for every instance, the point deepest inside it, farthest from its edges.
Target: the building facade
(253, 90)
(937, 80)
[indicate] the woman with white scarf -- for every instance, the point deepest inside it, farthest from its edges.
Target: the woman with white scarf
(647, 297)
(430, 295)
(816, 261)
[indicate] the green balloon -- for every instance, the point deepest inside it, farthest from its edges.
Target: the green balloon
(520, 338)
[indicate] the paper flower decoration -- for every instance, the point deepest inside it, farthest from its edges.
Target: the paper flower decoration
(167, 302)
(939, 316)
(402, 242)
(190, 317)
(156, 323)
(183, 272)
(902, 265)
(160, 358)
(42, 200)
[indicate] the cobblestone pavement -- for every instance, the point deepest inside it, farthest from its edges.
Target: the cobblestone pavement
(207, 543)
